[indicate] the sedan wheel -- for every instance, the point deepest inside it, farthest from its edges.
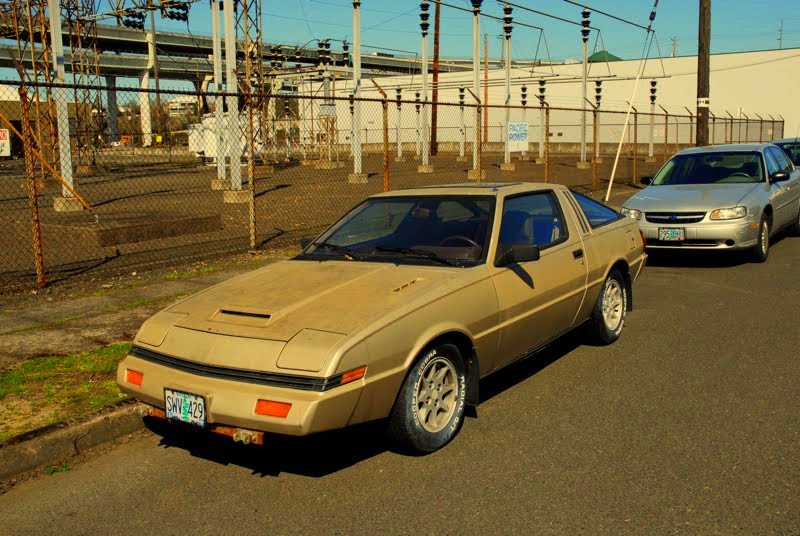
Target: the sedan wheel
(608, 317)
(761, 251)
(429, 408)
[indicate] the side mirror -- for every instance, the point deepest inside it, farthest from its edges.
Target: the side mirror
(779, 176)
(646, 180)
(518, 253)
(304, 242)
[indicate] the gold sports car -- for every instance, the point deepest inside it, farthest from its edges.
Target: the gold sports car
(394, 312)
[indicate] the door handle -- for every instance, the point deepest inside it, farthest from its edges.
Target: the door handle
(577, 254)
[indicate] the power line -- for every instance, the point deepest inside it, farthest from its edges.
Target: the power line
(549, 15)
(609, 15)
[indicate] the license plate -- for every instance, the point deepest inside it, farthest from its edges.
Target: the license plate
(185, 407)
(672, 234)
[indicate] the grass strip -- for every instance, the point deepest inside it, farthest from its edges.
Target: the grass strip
(48, 390)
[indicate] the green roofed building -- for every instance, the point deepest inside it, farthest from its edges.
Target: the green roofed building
(603, 56)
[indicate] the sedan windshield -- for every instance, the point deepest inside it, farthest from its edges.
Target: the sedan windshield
(451, 230)
(711, 168)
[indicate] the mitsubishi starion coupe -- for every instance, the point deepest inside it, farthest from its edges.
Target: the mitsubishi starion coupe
(394, 313)
(734, 197)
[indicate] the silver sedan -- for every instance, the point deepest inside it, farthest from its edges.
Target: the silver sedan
(720, 197)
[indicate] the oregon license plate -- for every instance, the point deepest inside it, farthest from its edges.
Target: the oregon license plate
(185, 407)
(671, 234)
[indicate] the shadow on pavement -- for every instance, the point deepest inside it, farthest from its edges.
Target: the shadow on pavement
(314, 456)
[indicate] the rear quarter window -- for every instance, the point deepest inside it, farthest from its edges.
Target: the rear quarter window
(596, 212)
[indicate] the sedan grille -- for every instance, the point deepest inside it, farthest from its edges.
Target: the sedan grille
(675, 217)
(288, 381)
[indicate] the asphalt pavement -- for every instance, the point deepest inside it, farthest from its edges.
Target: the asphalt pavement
(689, 424)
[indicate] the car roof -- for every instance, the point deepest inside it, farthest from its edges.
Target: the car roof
(734, 147)
(471, 188)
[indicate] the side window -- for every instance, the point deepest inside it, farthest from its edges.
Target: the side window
(783, 161)
(532, 219)
(597, 213)
(772, 164)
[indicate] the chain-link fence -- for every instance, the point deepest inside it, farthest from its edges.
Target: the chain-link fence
(145, 178)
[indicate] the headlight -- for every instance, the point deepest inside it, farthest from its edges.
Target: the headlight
(632, 213)
(729, 213)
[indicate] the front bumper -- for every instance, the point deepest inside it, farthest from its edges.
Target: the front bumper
(232, 403)
(704, 235)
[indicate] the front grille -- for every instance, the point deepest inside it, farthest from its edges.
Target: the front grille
(675, 218)
(288, 381)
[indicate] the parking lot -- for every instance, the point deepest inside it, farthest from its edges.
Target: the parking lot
(688, 424)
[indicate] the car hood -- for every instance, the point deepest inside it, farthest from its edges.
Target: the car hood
(280, 300)
(689, 197)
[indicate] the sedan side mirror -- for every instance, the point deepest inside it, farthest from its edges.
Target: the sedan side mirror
(517, 253)
(646, 180)
(779, 176)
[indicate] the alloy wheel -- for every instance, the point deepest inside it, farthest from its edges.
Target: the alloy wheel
(613, 304)
(436, 395)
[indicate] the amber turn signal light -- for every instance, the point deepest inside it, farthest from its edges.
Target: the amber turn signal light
(353, 375)
(271, 408)
(134, 376)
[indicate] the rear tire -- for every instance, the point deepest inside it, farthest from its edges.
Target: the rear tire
(608, 317)
(429, 409)
(760, 252)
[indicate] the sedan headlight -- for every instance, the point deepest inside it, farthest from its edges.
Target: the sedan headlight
(631, 213)
(729, 213)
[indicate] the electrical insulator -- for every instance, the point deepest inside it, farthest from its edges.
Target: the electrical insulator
(423, 17)
(653, 84)
(507, 20)
(417, 101)
(461, 96)
(476, 6)
(352, 103)
(541, 90)
(598, 91)
(585, 24)
(524, 91)
(399, 104)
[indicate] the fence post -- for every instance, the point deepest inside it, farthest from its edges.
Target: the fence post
(385, 106)
(595, 148)
(666, 131)
(30, 184)
(713, 126)
(691, 125)
(746, 128)
(634, 178)
(546, 142)
(251, 162)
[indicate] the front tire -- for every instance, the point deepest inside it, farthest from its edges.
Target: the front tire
(761, 250)
(429, 408)
(608, 316)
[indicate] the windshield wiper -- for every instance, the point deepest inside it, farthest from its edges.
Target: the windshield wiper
(422, 253)
(348, 253)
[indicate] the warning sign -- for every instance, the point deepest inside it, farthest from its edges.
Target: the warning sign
(5, 143)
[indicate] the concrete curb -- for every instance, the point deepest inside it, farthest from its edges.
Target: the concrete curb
(50, 448)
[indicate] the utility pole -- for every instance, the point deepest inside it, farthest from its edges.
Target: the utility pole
(357, 176)
(674, 46)
(703, 68)
(780, 35)
(425, 167)
(435, 97)
(476, 65)
(507, 165)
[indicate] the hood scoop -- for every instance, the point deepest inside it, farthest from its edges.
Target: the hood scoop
(242, 316)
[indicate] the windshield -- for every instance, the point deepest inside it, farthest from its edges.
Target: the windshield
(428, 229)
(711, 168)
(792, 150)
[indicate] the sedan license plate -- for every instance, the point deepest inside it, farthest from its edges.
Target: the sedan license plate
(185, 407)
(672, 234)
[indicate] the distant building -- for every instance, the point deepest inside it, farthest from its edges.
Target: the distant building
(185, 104)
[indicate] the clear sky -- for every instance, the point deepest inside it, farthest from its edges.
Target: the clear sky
(737, 25)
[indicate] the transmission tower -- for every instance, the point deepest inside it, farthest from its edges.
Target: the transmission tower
(80, 17)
